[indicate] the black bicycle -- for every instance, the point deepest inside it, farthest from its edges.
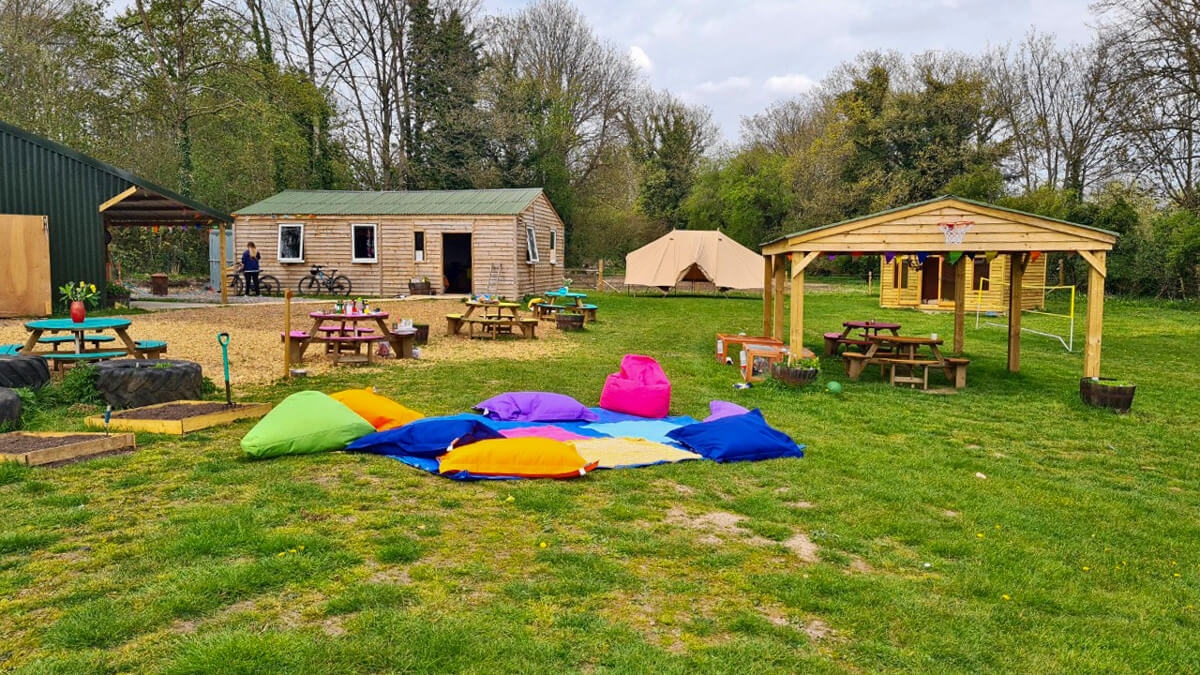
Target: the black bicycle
(267, 284)
(319, 282)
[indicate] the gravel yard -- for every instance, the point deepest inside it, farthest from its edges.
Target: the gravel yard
(256, 353)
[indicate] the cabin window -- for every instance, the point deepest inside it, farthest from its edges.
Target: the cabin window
(419, 246)
(896, 274)
(364, 243)
(531, 249)
(553, 247)
(904, 276)
(291, 243)
(981, 278)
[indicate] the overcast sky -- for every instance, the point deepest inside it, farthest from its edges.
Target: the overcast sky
(738, 57)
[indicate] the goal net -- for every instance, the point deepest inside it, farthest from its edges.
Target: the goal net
(1055, 320)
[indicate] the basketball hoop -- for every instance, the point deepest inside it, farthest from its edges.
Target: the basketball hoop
(955, 231)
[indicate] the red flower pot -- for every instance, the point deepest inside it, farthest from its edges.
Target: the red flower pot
(78, 311)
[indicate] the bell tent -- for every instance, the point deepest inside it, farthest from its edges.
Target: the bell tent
(694, 255)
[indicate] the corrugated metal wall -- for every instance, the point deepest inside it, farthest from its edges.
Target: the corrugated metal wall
(38, 181)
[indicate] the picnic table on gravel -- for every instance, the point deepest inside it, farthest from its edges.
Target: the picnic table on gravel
(341, 331)
(571, 301)
(492, 318)
(81, 333)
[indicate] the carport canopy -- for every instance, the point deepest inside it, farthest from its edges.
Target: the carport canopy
(149, 205)
(942, 226)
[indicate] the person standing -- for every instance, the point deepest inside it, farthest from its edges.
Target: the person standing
(250, 258)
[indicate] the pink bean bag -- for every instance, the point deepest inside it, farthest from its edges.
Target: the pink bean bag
(641, 388)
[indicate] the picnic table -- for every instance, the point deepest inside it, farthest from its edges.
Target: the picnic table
(903, 357)
(78, 335)
(568, 301)
(344, 337)
(492, 318)
(834, 340)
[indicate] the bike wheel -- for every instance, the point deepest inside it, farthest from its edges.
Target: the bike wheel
(236, 284)
(268, 285)
(340, 285)
(308, 285)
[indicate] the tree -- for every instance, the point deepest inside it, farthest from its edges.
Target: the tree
(667, 139)
(749, 198)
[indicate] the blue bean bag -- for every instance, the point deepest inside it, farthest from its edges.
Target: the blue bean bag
(428, 437)
(737, 438)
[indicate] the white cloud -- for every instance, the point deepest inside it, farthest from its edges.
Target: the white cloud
(727, 84)
(790, 84)
(641, 59)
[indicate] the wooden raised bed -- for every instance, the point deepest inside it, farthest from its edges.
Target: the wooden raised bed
(37, 448)
(179, 417)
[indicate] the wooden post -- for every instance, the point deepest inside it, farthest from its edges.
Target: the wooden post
(287, 333)
(960, 303)
(870, 274)
(780, 281)
(796, 336)
(224, 264)
(1095, 313)
(1016, 277)
(768, 279)
(600, 275)
(1062, 277)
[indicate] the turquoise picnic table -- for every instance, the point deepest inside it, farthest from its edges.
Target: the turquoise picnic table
(81, 332)
(570, 301)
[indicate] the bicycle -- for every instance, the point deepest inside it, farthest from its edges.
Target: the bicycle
(318, 281)
(267, 284)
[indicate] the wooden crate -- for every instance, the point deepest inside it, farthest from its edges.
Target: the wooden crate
(99, 444)
(756, 360)
(181, 426)
(729, 344)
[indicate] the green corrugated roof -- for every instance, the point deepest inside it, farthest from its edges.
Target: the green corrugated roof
(507, 202)
(931, 201)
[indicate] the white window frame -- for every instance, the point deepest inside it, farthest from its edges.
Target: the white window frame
(374, 242)
(531, 249)
(553, 246)
(279, 244)
(419, 253)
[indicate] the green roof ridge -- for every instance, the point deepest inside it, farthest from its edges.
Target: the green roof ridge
(497, 201)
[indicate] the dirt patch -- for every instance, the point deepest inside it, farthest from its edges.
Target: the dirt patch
(718, 522)
(861, 566)
(817, 630)
(16, 443)
(176, 411)
(950, 514)
(801, 505)
(391, 575)
(803, 547)
(333, 627)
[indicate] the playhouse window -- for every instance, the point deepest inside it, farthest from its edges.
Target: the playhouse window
(291, 243)
(364, 243)
(981, 278)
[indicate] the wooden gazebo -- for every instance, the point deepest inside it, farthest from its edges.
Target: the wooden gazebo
(943, 226)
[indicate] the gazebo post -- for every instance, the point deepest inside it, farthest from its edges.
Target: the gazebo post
(1098, 270)
(768, 280)
(796, 336)
(960, 301)
(780, 283)
(224, 263)
(1016, 277)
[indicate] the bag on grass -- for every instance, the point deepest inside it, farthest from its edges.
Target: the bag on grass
(304, 423)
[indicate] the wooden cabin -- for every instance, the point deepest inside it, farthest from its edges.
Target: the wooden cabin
(931, 285)
(507, 243)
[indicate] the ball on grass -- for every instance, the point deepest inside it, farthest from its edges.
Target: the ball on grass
(834, 387)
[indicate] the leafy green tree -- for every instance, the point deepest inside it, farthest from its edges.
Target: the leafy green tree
(667, 139)
(749, 198)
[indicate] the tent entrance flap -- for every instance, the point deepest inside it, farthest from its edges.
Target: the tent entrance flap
(694, 273)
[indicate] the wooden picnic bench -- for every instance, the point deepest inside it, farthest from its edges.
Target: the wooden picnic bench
(56, 340)
(904, 365)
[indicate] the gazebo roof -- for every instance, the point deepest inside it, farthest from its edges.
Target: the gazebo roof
(916, 228)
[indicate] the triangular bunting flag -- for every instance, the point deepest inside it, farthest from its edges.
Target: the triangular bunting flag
(888, 257)
(856, 255)
(921, 257)
(954, 256)
(1034, 256)
(832, 256)
(990, 255)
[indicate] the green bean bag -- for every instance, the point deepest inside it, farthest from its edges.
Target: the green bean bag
(304, 423)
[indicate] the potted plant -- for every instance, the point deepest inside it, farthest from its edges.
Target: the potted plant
(77, 296)
(1107, 392)
(420, 286)
(797, 370)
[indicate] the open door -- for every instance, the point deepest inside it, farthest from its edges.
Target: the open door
(931, 281)
(25, 269)
(456, 263)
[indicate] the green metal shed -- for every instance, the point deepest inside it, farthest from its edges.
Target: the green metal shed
(81, 196)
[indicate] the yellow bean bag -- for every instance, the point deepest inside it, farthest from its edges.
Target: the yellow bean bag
(382, 412)
(527, 457)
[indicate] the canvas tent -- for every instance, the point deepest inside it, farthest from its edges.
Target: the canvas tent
(694, 255)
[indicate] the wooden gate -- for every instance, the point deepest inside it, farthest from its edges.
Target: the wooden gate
(25, 269)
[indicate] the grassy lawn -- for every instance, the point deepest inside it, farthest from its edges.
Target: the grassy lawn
(1004, 528)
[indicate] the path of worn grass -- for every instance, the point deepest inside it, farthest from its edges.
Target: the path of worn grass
(884, 549)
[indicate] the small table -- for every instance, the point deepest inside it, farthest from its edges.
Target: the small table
(347, 332)
(493, 318)
(78, 329)
(570, 300)
(865, 328)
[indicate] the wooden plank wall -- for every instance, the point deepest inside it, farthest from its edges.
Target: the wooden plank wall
(25, 269)
(543, 276)
(994, 298)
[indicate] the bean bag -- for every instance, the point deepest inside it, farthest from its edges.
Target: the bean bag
(516, 457)
(535, 406)
(721, 409)
(382, 412)
(304, 423)
(640, 388)
(737, 438)
(428, 437)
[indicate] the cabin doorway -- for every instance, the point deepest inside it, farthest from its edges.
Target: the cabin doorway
(937, 281)
(456, 263)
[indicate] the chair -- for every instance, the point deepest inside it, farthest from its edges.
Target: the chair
(640, 388)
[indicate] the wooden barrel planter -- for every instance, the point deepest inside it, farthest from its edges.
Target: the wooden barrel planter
(794, 377)
(1107, 392)
(566, 321)
(422, 336)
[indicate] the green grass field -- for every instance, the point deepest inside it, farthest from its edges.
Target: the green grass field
(1007, 527)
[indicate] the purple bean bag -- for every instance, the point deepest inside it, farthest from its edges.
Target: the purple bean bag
(535, 406)
(640, 388)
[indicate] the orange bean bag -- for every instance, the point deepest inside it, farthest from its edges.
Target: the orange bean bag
(382, 412)
(527, 457)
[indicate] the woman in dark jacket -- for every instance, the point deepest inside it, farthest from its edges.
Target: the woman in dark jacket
(250, 258)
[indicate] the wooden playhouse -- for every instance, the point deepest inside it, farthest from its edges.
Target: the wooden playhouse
(931, 284)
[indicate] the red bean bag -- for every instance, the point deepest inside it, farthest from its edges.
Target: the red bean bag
(640, 388)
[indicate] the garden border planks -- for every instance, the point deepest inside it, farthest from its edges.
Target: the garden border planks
(182, 426)
(101, 444)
